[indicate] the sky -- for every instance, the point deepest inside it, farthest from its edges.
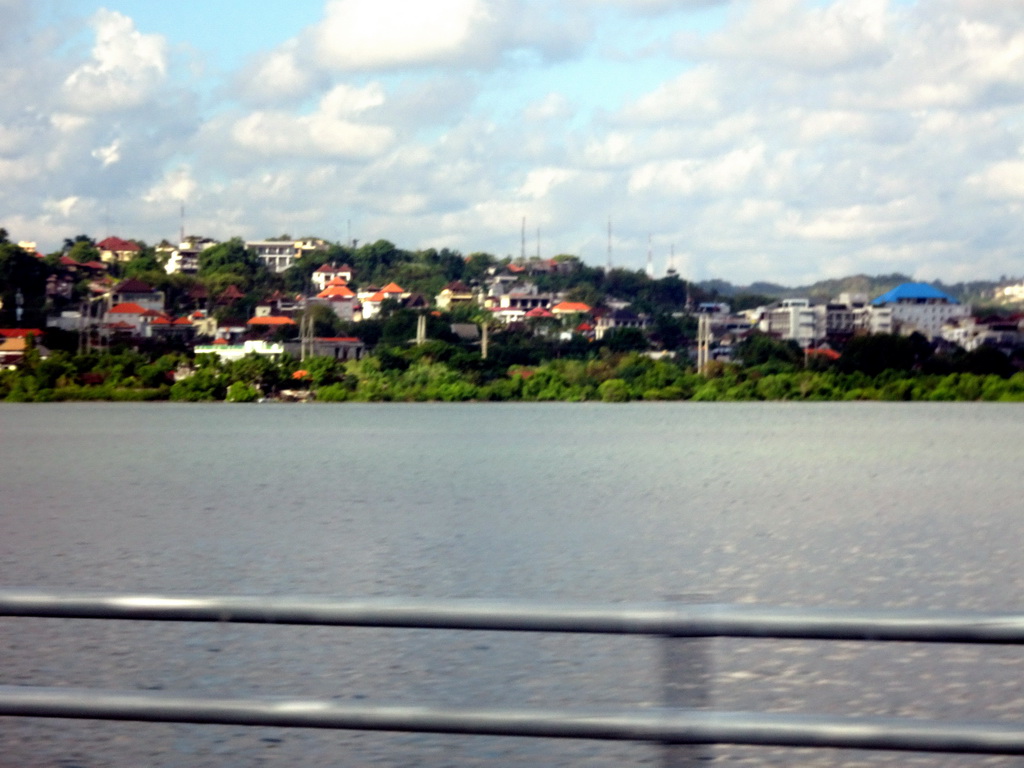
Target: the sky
(780, 140)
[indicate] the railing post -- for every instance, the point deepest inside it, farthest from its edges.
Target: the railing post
(686, 684)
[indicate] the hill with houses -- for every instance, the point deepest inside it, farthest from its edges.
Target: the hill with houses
(307, 297)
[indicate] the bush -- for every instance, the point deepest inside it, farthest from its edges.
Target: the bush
(240, 392)
(613, 391)
(333, 393)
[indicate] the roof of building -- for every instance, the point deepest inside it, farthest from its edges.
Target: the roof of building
(127, 308)
(271, 320)
(336, 292)
(571, 306)
(540, 312)
(17, 333)
(392, 288)
(132, 285)
(913, 292)
(117, 244)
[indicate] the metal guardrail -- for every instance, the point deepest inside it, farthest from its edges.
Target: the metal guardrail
(671, 726)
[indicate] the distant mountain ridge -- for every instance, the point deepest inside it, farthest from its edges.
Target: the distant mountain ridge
(977, 291)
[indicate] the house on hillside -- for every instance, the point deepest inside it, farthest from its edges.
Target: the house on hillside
(455, 294)
(339, 297)
(185, 257)
(371, 304)
(14, 343)
(617, 318)
(337, 348)
(114, 250)
(279, 255)
(135, 291)
(326, 275)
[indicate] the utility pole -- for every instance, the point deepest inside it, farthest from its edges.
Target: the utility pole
(421, 329)
(703, 342)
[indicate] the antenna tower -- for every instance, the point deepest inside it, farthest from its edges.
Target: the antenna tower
(609, 243)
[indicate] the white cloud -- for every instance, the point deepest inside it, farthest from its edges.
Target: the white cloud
(331, 130)
(853, 222)
(280, 75)
(109, 154)
(375, 34)
(554, 106)
(540, 181)
(126, 68)
(64, 207)
(841, 34)
(1000, 181)
(693, 95)
(794, 137)
(720, 175)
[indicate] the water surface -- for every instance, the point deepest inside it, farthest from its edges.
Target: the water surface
(859, 504)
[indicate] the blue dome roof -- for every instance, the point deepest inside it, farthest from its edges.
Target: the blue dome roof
(913, 292)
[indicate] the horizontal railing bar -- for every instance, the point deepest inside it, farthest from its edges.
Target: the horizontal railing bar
(653, 725)
(677, 620)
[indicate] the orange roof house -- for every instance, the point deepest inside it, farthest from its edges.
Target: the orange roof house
(336, 292)
(270, 321)
(570, 307)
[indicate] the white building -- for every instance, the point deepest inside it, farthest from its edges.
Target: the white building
(793, 319)
(921, 308)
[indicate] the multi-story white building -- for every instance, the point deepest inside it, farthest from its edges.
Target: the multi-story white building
(793, 319)
(279, 255)
(185, 258)
(918, 307)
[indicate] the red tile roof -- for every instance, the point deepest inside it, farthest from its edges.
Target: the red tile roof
(17, 333)
(392, 288)
(126, 308)
(117, 244)
(539, 312)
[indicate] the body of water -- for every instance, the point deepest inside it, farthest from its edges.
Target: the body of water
(863, 504)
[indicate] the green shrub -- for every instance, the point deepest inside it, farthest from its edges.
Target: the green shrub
(240, 392)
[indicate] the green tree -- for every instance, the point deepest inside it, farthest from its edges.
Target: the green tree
(625, 340)
(22, 287)
(761, 350)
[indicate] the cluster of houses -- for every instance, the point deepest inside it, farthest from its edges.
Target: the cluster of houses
(509, 296)
(908, 308)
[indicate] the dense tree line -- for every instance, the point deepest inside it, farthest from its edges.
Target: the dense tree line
(522, 367)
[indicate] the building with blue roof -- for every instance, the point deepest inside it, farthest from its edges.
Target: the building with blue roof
(921, 308)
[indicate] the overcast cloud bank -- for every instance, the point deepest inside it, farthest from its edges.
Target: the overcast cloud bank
(786, 141)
